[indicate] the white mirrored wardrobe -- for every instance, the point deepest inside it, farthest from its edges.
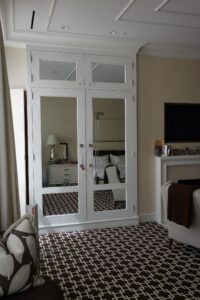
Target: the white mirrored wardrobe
(82, 139)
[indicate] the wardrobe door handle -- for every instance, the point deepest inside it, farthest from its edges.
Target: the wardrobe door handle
(82, 166)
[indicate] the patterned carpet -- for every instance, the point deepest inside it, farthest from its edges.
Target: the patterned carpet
(67, 203)
(121, 263)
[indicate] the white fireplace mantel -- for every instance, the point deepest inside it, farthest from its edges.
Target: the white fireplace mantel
(162, 168)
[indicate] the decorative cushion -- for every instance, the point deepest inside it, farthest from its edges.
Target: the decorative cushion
(100, 163)
(119, 161)
(18, 258)
(50, 291)
(112, 175)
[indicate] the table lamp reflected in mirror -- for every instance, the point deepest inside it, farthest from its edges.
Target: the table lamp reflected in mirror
(52, 141)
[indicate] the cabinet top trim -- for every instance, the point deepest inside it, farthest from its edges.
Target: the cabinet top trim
(104, 52)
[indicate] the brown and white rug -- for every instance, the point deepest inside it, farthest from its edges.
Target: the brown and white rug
(67, 203)
(121, 263)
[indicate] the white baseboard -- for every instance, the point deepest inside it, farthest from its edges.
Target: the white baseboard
(147, 218)
(89, 225)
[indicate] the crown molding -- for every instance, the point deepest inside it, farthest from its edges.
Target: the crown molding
(112, 45)
(88, 42)
(170, 51)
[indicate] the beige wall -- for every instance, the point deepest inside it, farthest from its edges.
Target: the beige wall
(159, 80)
(110, 126)
(58, 116)
(16, 65)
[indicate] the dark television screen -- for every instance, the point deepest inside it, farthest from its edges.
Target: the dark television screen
(182, 122)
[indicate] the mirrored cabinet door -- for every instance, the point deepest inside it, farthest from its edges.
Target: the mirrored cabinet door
(109, 72)
(108, 150)
(59, 71)
(59, 141)
(108, 139)
(60, 156)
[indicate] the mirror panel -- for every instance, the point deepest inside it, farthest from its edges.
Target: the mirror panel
(60, 203)
(57, 70)
(109, 73)
(109, 199)
(59, 141)
(109, 141)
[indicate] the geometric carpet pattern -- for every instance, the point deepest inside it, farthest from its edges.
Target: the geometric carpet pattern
(67, 203)
(60, 203)
(131, 262)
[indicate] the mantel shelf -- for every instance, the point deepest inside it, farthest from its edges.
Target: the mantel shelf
(179, 157)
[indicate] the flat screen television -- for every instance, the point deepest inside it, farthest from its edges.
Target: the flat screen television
(182, 122)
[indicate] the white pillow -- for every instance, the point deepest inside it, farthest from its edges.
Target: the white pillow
(122, 170)
(100, 162)
(112, 174)
(119, 161)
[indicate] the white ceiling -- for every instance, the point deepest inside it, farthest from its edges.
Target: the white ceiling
(171, 23)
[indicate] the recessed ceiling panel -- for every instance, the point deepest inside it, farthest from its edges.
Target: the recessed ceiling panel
(171, 14)
(86, 16)
(175, 22)
(24, 16)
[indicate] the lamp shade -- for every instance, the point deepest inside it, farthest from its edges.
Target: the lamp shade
(52, 140)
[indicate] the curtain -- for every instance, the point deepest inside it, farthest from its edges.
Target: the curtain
(9, 195)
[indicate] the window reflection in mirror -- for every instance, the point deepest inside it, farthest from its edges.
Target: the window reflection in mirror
(59, 141)
(109, 200)
(109, 140)
(57, 70)
(108, 73)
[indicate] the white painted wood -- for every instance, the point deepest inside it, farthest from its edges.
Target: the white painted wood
(131, 160)
(86, 215)
(37, 57)
(161, 168)
(31, 153)
(62, 174)
(147, 218)
(39, 190)
(94, 224)
(119, 61)
(18, 114)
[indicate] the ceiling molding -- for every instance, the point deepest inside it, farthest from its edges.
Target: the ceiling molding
(51, 11)
(89, 42)
(161, 9)
(96, 44)
(180, 13)
(161, 5)
(160, 24)
(173, 52)
(110, 45)
(126, 7)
